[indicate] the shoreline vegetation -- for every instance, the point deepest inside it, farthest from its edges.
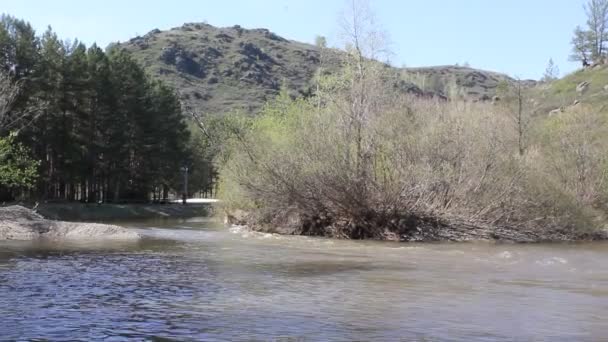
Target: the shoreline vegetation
(122, 212)
(362, 159)
(359, 155)
(87, 212)
(416, 170)
(426, 231)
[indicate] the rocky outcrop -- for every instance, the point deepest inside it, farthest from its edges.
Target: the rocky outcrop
(183, 60)
(412, 89)
(240, 69)
(19, 223)
(582, 87)
(556, 111)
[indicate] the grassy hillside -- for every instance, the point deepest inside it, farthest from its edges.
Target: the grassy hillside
(563, 93)
(217, 70)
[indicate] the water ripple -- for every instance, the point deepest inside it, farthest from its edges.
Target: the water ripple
(211, 285)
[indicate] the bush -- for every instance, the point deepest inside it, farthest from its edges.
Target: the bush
(360, 160)
(17, 169)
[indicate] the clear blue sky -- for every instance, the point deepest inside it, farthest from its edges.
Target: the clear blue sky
(513, 36)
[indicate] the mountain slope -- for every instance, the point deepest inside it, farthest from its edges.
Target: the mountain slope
(588, 87)
(217, 70)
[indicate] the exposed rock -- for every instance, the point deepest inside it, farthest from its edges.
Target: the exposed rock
(223, 37)
(165, 71)
(495, 99)
(249, 63)
(408, 87)
(182, 59)
(184, 63)
(606, 87)
(474, 77)
(212, 53)
(483, 98)
(582, 87)
(412, 89)
(19, 223)
(253, 52)
(556, 111)
(168, 54)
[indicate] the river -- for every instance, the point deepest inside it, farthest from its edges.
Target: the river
(195, 280)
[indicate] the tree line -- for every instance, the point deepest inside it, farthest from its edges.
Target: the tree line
(97, 127)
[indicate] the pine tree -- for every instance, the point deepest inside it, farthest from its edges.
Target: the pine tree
(106, 131)
(99, 106)
(45, 133)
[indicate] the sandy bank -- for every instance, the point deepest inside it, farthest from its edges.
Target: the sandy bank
(19, 223)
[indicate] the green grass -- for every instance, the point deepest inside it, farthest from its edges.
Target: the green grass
(562, 92)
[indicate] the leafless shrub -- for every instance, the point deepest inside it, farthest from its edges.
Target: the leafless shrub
(362, 160)
(12, 118)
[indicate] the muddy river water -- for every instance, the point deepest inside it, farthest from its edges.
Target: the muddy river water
(194, 280)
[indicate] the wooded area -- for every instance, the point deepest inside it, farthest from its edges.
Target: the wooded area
(98, 127)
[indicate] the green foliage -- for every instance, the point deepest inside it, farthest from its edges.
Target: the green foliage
(551, 72)
(589, 45)
(106, 130)
(562, 92)
(453, 162)
(576, 148)
(17, 168)
(321, 42)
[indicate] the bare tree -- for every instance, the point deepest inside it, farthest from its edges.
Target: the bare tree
(521, 120)
(513, 98)
(9, 91)
(12, 118)
(360, 30)
(366, 44)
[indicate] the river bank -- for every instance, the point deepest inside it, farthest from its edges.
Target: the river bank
(412, 229)
(121, 212)
(20, 223)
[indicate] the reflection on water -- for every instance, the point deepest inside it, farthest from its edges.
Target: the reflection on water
(192, 280)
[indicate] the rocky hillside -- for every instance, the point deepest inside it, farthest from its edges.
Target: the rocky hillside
(223, 69)
(473, 84)
(584, 87)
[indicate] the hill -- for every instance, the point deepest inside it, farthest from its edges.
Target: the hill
(587, 87)
(217, 70)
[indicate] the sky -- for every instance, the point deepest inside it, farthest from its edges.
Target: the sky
(516, 37)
